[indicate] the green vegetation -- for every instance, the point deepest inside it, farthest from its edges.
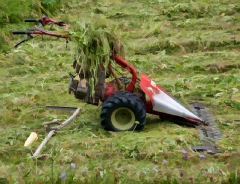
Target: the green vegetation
(190, 48)
(94, 43)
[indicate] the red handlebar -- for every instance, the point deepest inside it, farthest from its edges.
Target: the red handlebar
(44, 20)
(41, 33)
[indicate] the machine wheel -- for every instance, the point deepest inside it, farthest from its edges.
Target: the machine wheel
(123, 111)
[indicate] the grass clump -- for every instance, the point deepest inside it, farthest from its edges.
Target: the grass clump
(94, 45)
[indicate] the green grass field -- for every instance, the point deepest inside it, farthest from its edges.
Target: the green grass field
(190, 48)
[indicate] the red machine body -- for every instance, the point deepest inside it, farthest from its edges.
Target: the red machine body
(161, 103)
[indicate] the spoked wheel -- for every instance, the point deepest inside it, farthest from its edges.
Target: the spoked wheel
(123, 111)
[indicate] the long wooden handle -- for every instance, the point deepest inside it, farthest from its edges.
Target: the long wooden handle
(50, 134)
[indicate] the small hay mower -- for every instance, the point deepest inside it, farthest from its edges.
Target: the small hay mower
(125, 101)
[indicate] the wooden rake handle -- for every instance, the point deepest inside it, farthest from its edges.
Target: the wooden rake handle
(50, 134)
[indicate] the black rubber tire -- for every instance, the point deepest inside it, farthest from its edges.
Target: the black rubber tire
(127, 100)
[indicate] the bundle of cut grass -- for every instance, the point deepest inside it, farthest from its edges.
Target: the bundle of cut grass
(94, 45)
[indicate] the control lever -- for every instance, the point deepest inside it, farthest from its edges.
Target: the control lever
(29, 37)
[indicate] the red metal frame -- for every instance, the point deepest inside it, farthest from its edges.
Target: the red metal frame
(42, 32)
(46, 20)
(120, 61)
(110, 89)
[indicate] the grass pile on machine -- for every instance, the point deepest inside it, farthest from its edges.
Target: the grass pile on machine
(125, 99)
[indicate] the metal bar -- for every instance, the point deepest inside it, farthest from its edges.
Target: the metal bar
(64, 108)
(209, 132)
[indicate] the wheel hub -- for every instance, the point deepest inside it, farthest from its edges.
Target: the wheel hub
(123, 118)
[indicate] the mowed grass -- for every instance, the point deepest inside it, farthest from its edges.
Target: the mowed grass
(190, 48)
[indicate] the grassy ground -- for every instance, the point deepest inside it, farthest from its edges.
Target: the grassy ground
(190, 48)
